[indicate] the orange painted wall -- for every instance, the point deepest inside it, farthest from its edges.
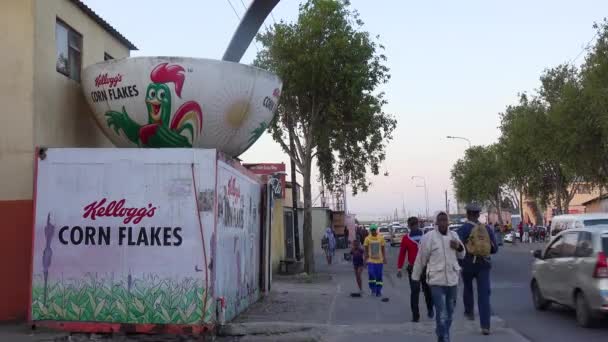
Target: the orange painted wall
(15, 259)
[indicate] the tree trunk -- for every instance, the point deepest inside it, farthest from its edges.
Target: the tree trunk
(538, 217)
(521, 205)
(558, 198)
(309, 257)
(498, 208)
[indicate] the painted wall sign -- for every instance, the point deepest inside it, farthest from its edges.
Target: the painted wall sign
(238, 239)
(118, 246)
(268, 169)
(181, 102)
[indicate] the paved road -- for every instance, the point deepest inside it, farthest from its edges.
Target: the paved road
(329, 313)
(512, 301)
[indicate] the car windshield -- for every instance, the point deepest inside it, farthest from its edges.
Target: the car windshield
(605, 244)
(400, 230)
(595, 222)
(383, 230)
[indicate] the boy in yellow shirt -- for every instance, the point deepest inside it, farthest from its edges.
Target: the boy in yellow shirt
(375, 258)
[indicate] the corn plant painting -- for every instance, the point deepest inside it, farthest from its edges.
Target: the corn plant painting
(151, 299)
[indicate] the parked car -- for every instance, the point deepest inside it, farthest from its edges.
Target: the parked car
(454, 227)
(572, 270)
(397, 235)
(427, 229)
(562, 222)
(385, 232)
(512, 235)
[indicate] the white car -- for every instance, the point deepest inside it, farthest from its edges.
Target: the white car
(385, 232)
(509, 236)
(454, 227)
(572, 270)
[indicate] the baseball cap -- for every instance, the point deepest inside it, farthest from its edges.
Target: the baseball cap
(373, 227)
(473, 206)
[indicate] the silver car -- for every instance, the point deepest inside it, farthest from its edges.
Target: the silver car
(572, 270)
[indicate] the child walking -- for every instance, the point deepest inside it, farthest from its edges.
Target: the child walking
(358, 256)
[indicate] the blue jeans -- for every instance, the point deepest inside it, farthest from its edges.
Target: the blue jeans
(374, 272)
(481, 273)
(444, 300)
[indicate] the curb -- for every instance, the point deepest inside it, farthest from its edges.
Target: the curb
(516, 335)
(267, 328)
(307, 332)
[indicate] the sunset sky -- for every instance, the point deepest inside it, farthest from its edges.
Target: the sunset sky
(455, 65)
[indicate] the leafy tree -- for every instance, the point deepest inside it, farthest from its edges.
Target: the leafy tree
(593, 137)
(540, 138)
(330, 105)
(479, 176)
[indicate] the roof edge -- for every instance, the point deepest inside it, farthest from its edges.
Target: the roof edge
(101, 22)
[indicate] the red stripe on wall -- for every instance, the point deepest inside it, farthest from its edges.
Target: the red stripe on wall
(15, 258)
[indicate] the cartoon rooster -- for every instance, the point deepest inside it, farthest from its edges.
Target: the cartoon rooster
(162, 129)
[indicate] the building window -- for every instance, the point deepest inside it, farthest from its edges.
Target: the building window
(107, 57)
(69, 50)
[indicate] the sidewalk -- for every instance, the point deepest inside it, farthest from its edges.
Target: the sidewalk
(321, 309)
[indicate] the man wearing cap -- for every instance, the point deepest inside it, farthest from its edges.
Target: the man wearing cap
(375, 258)
(477, 268)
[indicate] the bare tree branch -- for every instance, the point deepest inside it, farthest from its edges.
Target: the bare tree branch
(289, 153)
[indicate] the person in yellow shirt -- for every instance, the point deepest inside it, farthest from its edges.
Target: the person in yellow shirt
(375, 258)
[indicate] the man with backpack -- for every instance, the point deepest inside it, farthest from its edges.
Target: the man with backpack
(480, 242)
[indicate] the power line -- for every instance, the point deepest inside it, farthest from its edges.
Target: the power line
(234, 10)
(587, 46)
(239, 18)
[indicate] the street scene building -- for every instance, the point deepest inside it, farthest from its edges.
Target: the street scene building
(45, 46)
(270, 170)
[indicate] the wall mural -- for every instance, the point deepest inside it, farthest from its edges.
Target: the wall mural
(162, 129)
(238, 232)
(181, 102)
(106, 254)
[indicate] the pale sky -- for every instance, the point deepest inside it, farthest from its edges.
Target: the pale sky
(454, 65)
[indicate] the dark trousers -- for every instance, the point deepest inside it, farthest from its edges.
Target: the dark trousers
(481, 273)
(415, 293)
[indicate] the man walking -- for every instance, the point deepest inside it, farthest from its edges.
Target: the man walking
(480, 243)
(439, 252)
(375, 258)
(409, 247)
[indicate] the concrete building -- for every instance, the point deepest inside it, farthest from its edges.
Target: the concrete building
(584, 193)
(321, 219)
(45, 45)
(598, 204)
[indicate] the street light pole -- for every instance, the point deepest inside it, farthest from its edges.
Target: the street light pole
(426, 194)
(461, 138)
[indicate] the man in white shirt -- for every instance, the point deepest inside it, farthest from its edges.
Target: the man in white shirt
(439, 252)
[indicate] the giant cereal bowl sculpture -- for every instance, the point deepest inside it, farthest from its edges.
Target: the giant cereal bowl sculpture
(162, 102)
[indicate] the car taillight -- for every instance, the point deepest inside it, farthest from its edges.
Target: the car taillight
(601, 266)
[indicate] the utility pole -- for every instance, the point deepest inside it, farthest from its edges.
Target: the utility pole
(447, 204)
